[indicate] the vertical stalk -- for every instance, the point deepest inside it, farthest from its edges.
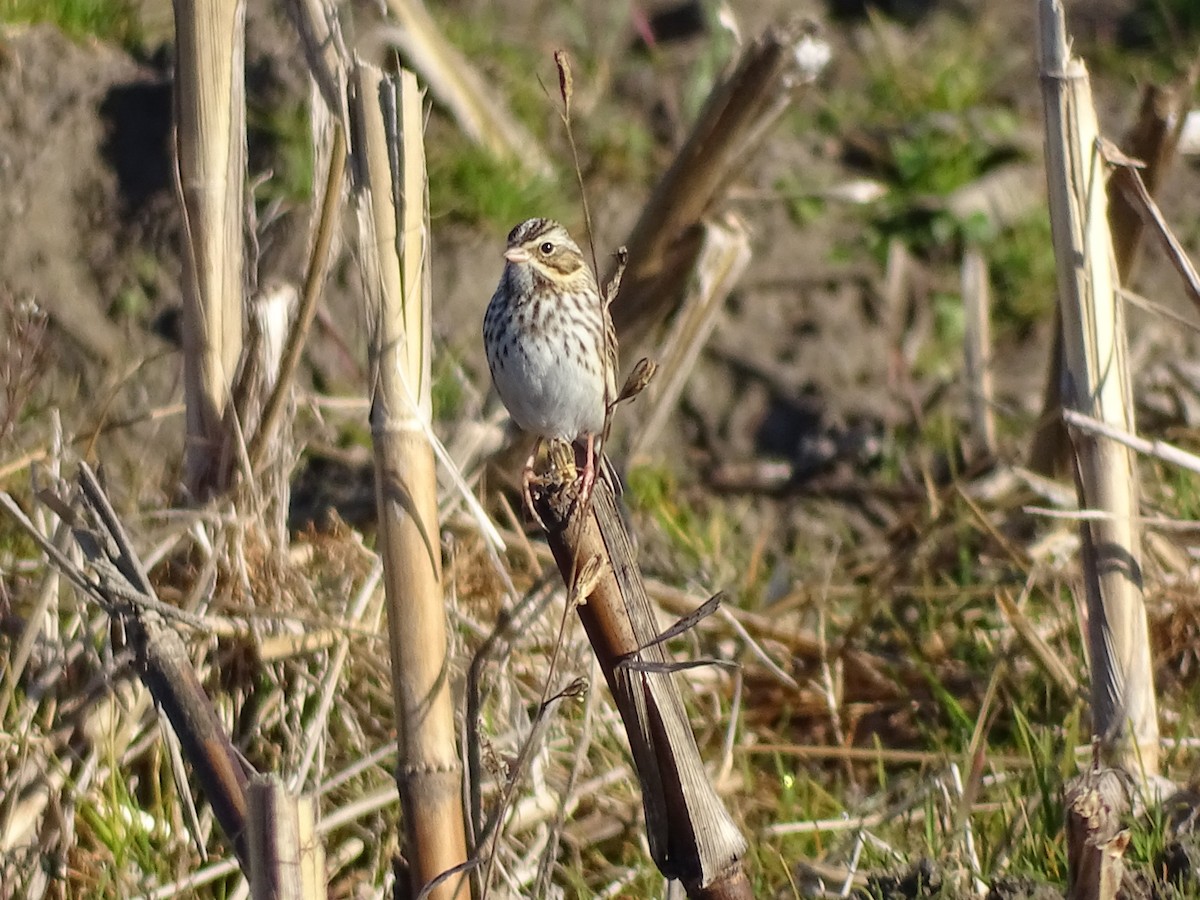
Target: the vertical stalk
(287, 859)
(1153, 139)
(1096, 383)
(977, 347)
(393, 213)
(210, 156)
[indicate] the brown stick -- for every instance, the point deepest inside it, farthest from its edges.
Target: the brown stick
(692, 837)
(120, 586)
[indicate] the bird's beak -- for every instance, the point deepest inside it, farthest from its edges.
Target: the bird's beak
(517, 255)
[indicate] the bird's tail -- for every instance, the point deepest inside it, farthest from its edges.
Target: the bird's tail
(609, 473)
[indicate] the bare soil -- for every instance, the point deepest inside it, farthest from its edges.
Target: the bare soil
(810, 364)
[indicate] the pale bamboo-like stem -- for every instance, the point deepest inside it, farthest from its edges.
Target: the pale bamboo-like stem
(1153, 140)
(393, 213)
(210, 157)
(977, 347)
(287, 858)
(1096, 383)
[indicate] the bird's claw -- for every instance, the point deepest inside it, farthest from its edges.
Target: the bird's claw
(588, 479)
(563, 469)
(527, 479)
(527, 494)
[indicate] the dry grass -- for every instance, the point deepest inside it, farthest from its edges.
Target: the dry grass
(893, 716)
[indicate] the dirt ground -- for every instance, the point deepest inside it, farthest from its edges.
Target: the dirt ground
(807, 365)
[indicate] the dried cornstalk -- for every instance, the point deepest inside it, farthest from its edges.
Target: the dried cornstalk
(1153, 140)
(692, 837)
(210, 157)
(1096, 383)
(392, 205)
(286, 854)
(739, 112)
(724, 255)
(455, 84)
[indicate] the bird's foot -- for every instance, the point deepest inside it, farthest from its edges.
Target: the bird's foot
(587, 481)
(528, 476)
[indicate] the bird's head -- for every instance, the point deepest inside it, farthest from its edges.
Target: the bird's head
(546, 248)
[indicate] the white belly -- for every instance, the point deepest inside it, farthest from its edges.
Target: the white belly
(547, 387)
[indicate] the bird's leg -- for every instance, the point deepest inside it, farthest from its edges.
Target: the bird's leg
(527, 476)
(589, 471)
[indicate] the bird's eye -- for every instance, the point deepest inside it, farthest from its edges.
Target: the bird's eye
(547, 248)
